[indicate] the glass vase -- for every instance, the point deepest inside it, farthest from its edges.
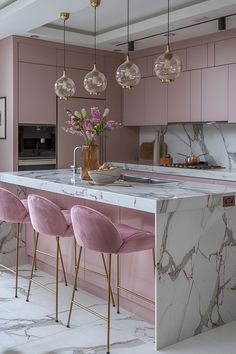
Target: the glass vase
(90, 160)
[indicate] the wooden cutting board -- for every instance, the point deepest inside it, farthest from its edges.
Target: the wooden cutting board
(146, 151)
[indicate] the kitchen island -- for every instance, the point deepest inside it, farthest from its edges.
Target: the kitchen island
(195, 230)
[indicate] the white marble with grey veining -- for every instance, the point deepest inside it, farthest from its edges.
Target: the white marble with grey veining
(138, 196)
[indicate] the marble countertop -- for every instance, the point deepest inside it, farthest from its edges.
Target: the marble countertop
(217, 174)
(162, 197)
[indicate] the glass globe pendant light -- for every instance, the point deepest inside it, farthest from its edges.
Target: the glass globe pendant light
(64, 86)
(95, 81)
(128, 74)
(168, 66)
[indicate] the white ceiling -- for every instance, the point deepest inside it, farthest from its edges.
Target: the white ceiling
(147, 17)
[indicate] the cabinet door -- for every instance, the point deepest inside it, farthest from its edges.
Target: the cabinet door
(155, 102)
(179, 99)
(215, 94)
(37, 99)
(134, 100)
(66, 142)
(196, 96)
(232, 93)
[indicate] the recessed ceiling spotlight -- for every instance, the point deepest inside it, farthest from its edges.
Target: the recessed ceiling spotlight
(202, 19)
(35, 36)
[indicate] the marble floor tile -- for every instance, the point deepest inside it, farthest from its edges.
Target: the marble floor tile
(27, 328)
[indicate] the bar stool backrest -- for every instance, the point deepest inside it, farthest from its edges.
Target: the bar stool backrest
(46, 216)
(94, 230)
(11, 208)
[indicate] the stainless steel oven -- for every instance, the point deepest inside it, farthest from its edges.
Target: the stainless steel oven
(37, 147)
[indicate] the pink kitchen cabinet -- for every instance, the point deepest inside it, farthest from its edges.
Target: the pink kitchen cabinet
(215, 94)
(37, 54)
(37, 99)
(232, 93)
(197, 57)
(66, 141)
(134, 105)
(225, 51)
(155, 102)
(196, 96)
(80, 60)
(179, 99)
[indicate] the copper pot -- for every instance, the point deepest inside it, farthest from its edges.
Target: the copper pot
(192, 159)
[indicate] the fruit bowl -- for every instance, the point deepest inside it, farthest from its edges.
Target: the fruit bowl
(105, 176)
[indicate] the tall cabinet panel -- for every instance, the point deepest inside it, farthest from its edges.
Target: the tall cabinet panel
(155, 102)
(179, 99)
(37, 99)
(232, 93)
(66, 141)
(134, 105)
(215, 94)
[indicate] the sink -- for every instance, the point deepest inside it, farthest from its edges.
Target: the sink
(147, 180)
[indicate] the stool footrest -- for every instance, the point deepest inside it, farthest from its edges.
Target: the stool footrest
(89, 310)
(137, 295)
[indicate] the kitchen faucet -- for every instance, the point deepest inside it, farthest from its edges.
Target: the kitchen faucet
(74, 166)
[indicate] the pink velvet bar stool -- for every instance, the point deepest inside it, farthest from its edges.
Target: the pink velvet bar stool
(94, 231)
(15, 211)
(49, 220)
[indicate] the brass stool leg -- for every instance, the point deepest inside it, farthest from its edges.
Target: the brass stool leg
(105, 267)
(118, 282)
(33, 265)
(57, 273)
(109, 304)
(75, 259)
(62, 264)
(74, 288)
(154, 260)
(17, 257)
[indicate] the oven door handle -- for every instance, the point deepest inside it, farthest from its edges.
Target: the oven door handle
(34, 162)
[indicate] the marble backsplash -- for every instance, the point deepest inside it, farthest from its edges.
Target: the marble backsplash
(217, 141)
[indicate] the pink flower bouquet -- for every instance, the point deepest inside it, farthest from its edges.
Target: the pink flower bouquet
(90, 127)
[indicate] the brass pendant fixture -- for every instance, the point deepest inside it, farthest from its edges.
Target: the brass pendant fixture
(64, 86)
(168, 66)
(128, 74)
(95, 81)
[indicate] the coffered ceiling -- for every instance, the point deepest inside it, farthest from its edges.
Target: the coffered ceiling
(147, 18)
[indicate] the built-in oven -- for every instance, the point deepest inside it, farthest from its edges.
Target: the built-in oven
(37, 147)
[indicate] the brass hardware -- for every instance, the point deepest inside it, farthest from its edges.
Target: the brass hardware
(75, 258)
(62, 264)
(228, 201)
(57, 268)
(33, 266)
(85, 308)
(95, 3)
(64, 16)
(17, 256)
(137, 295)
(109, 303)
(118, 282)
(105, 267)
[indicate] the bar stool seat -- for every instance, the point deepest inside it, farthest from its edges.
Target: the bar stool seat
(15, 211)
(134, 240)
(69, 231)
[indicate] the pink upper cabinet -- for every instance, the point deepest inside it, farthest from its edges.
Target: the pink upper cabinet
(134, 105)
(196, 95)
(215, 94)
(37, 54)
(179, 99)
(37, 99)
(155, 102)
(80, 60)
(197, 57)
(232, 93)
(225, 51)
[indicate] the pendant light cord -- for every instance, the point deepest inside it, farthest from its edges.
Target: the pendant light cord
(95, 35)
(168, 31)
(128, 26)
(64, 45)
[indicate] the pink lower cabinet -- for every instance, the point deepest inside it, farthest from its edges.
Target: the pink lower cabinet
(179, 99)
(155, 102)
(37, 99)
(134, 101)
(215, 94)
(66, 141)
